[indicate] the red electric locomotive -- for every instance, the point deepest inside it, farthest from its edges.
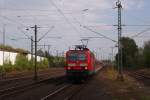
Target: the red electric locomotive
(80, 63)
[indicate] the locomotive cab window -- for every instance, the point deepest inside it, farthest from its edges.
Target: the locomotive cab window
(82, 57)
(77, 57)
(73, 57)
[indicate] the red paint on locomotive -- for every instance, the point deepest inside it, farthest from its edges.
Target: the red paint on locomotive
(80, 63)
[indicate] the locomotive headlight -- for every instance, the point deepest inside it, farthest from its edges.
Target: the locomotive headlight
(71, 64)
(83, 65)
(68, 68)
(85, 68)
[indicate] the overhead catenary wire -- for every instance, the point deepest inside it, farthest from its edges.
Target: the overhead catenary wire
(67, 20)
(108, 25)
(40, 10)
(13, 21)
(90, 37)
(142, 25)
(14, 4)
(99, 34)
(45, 33)
(142, 32)
(87, 28)
(24, 9)
(137, 25)
(29, 37)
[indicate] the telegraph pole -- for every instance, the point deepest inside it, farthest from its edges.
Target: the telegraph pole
(3, 68)
(49, 55)
(44, 47)
(112, 52)
(35, 66)
(47, 51)
(35, 77)
(32, 50)
(49, 48)
(120, 74)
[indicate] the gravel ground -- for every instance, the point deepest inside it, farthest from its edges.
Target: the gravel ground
(19, 74)
(29, 78)
(35, 93)
(99, 87)
(92, 90)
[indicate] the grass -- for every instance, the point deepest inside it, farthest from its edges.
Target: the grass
(111, 73)
(22, 64)
(129, 89)
(145, 98)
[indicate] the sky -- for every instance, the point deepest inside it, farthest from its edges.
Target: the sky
(66, 18)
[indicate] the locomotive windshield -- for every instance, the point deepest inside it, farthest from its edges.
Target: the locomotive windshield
(76, 57)
(82, 57)
(73, 57)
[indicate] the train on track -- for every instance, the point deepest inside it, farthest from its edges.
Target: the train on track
(80, 63)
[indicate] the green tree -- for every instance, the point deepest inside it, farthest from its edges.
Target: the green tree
(140, 58)
(50, 59)
(146, 54)
(55, 61)
(129, 52)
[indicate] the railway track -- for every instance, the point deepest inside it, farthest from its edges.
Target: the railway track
(140, 75)
(13, 82)
(144, 78)
(55, 92)
(26, 76)
(44, 90)
(20, 78)
(143, 75)
(66, 92)
(20, 82)
(18, 89)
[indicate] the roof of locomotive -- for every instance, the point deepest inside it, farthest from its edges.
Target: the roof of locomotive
(80, 50)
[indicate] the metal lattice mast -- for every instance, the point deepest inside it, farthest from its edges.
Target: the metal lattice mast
(120, 66)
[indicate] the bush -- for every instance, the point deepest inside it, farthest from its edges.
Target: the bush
(21, 62)
(59, 62)
(43, 64)
(8, 66)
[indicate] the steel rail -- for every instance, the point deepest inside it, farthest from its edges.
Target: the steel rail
(18, 89)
